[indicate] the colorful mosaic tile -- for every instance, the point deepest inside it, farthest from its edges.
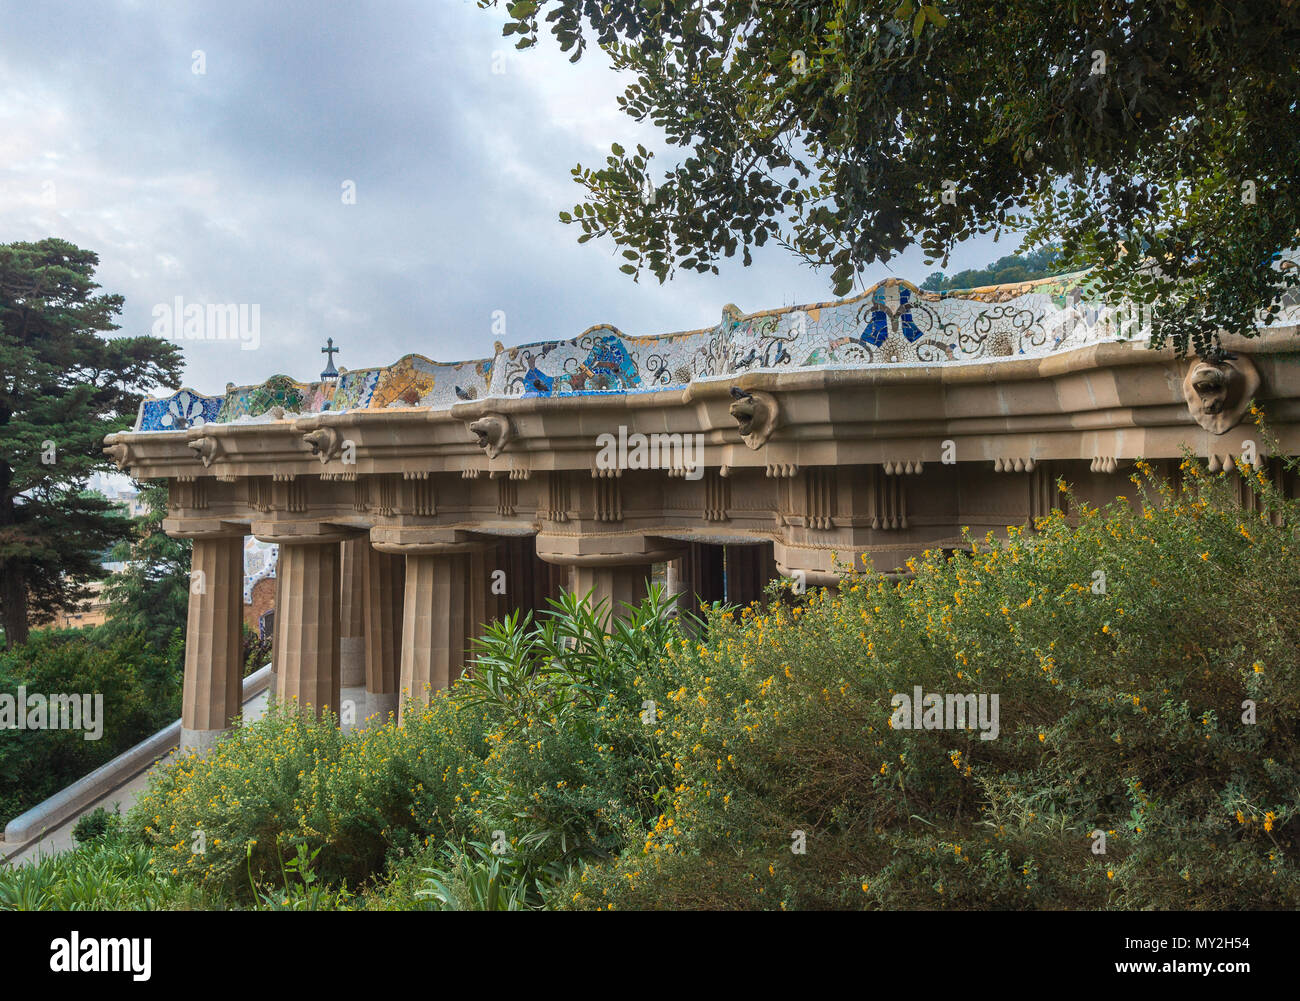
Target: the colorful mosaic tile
(892, 323)
(180, 411)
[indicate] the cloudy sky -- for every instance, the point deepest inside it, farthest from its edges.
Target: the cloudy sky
(227, 185)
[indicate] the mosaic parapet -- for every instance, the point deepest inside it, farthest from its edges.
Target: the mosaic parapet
(182, 409)
(414, 381)
(894, 323)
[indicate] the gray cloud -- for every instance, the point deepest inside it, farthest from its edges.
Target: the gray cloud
(226, 186)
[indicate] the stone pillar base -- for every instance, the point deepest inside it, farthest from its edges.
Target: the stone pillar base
(353, 707)
(200, 741)
(379, 705)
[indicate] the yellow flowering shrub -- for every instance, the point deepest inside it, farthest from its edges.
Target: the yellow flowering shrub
(1146, 658)
(229, 819)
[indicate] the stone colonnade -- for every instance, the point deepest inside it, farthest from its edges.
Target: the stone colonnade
(395, 523)
(361, 628)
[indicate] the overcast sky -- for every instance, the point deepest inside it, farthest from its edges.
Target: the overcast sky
(226, 186)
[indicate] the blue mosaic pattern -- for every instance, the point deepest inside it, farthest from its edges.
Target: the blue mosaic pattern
(181, 411)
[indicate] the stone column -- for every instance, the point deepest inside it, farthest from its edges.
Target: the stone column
(354, 566)
(213, 641)
(749, 569)
(704, 579)
(384, 597)
(612, 568)
(480, 604)
(433, 623)
(613, 585)
(273, 686)
(306, 645)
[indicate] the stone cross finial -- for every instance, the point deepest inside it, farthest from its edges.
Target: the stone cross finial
(330, 373)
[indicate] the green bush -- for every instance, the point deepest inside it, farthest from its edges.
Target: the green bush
(141, 691)
(96, 824)
(111, 872)
(572, 763)
(230, 817)
(1121, 711)
(652, 766)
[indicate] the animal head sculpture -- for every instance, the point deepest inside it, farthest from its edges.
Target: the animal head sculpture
(757, 414)
(325, 443)
(119, 453)
(1218, 388)
(493, 433)
(206, 449)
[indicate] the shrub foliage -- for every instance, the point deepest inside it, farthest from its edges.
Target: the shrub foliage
(1143, 656)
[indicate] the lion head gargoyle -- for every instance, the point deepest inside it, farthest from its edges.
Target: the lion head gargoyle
(493, 433)
(119, 453)
(1218, 389)
(206, 449)
(325, 443)
(757, 414)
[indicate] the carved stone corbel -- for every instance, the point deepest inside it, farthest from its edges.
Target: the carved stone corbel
(326, 443)
(1218, 389)
(758, 415)
(206, 449)
(120, 454)
(493, 432)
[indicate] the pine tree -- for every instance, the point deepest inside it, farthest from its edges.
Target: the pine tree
(63, 387)
(151, 594)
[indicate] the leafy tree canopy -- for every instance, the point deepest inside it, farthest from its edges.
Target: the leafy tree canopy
(63, 387)
(150, 595)
(1155, 140)
(1004, 271)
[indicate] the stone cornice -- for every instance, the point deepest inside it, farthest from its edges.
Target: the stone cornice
(1052, 407)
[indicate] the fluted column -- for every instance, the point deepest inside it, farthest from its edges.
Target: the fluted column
(480, 602)
(213, 641)
(354, 564)
(433, 623)
(613, 585)
(385, 596)
(306, 646)
(608, 568)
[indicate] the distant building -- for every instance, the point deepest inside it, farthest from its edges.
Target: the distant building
(260, 560)
(91, 612)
